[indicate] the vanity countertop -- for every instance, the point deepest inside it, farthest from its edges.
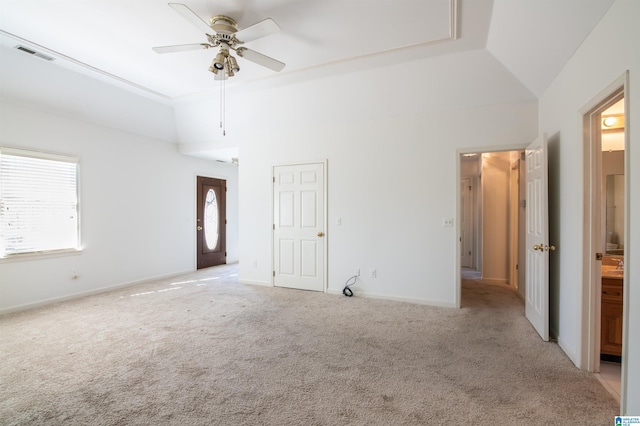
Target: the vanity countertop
(612, 272)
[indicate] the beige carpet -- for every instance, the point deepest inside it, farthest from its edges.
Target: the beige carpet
(202, 349)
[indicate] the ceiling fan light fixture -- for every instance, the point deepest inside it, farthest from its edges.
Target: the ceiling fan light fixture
(219, 61)
(227, 37)
(233, 64)
(228, 69)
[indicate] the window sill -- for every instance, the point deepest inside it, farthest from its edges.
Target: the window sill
(39, 255)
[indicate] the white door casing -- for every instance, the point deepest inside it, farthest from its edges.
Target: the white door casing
(299, 223)
(537, 236)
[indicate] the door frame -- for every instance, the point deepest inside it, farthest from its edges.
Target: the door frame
(456, 236)
(592, 237)
(327, 234)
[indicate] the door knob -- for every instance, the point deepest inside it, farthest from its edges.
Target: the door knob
(550, 248)
(538, 247)
(199, 228)
(320, 234)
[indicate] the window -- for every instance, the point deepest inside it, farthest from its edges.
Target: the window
(211, 223)
(38, 202)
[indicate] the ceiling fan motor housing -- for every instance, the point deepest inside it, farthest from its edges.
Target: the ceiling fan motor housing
(222, 24)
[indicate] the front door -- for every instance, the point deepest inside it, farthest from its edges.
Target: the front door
(298, 226)
(211, 222)
(537, 238)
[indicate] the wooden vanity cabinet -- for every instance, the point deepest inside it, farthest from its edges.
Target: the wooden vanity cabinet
(611, 317)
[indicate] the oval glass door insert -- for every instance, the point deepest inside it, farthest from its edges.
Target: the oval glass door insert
(211, 220)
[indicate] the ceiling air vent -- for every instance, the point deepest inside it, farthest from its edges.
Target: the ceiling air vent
(33, 52)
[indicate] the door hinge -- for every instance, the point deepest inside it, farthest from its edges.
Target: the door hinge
(469, 252)
(274, 226)
(274, 179)
(225, 254)
(274, 273)
(598, 256)
(226, 189)
(523, 204)
(225, 221)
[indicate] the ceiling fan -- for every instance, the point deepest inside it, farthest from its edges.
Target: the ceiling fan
(222, 31)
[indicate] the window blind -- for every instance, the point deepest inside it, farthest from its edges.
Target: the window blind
(38, 202)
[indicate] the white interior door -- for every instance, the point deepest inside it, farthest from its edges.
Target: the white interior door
(537, 261)
(298, 230)
(466, 224)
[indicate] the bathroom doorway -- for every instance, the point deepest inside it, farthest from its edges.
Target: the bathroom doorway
(605, 235)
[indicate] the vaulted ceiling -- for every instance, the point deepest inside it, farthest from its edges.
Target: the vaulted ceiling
(112, 40)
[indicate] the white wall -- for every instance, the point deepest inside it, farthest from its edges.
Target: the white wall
(495, 216)
(28, 80)
(137, 208)
(610, 50)
(392, 182)
(390, 137)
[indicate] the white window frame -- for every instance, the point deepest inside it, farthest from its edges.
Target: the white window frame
(48, 252)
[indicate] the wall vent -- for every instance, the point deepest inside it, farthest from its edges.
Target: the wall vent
(35, 53)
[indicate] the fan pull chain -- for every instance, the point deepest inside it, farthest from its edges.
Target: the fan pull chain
(222, 107)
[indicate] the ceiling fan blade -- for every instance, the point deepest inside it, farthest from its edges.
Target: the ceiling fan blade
(180, 47)
(260, 59)
(191, 16)
(260, 29)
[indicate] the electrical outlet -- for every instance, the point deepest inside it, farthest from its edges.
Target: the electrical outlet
(75, 275)
(339, 221)
(447, 222)
(373, 273)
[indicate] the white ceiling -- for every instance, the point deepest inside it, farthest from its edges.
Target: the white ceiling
(520, 44)
(113, 38)
(116, 36)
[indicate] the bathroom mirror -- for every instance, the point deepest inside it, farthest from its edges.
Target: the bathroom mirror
(615, 214)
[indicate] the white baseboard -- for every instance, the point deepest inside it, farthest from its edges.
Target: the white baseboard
(78, 295)
(357, 293)
(260, 283)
